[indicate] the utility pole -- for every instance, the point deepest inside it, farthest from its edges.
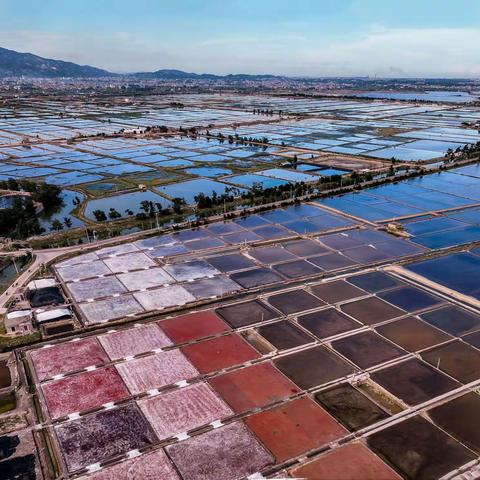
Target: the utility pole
(15, 265)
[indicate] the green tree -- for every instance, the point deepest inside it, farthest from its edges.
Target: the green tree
(114, 214)
(178, 204)
(99, 215)
(67, 221)
(57, 225)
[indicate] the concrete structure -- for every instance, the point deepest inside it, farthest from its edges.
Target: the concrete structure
(41, 283)
(52, 315)
(19, 322)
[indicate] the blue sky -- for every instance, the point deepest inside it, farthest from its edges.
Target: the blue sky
(292, 37)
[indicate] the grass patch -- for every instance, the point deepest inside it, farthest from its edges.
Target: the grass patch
(9, 343)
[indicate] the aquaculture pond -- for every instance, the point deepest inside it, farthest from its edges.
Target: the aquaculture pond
(190, 189)
(126, 201)
(46, 217)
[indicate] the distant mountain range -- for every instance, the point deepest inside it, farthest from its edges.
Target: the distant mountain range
(15, 64)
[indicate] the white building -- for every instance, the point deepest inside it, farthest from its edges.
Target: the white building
(19, 322)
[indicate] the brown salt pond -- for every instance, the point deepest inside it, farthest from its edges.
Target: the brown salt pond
(457, 417)
(350, 407)
(367, 349)
(371, 310)
(246, 313)
(419, 450)
(295, 301)
(337, 291)
(412, 334)
(414, 381)
(328, 322)
(458, 359)
(312, 367)
(284, 334)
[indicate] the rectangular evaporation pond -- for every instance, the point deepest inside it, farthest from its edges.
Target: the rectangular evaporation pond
(448, 238)
(256, 277)
(332, 261)
(305, 248)
(184, 271)
(295, 301)
(193, 326)
(352, 461)
(211, 287)
(83, 270)
(278, 216)
(435, 453)
(432, 225)
(117, 250)
(297, 269)
(414, 381)
(374, 281)
(366, 254)
(97, 437)
(104, 310)
(219, 353)
(455, 417)
(204, 243)
(371, 310)
(273, 232)
(271, 254)
(246, 313)
(85, 258)
(367, 349)
(294, 428)
(143, 466)
(167, 250)
(313, 367)
(327, 323)
(411, 299)
(130, 261)
(95, 288)
(251, 221)
(132, 341)
(164, 297)
(350, 407)
(412, 334)
(182, 410)
(284, 335)
(155, 277)
(241, 237)
(253, 387)
(453, 320)
(224, 228)
(67, 357)
(337, 291)
(156, 371)
(458, 271)
(231, 262)
(457, 359)
(84, 391)
(245, 457)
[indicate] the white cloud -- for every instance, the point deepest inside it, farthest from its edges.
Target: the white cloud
(411, 52)
(384, 52)
(120, 52)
